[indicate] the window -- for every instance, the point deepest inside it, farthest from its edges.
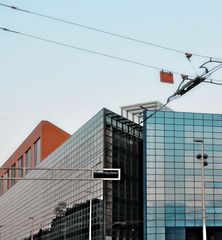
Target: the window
(20, 165)
(7, 185)
(37, 152)
(13, 175)
(28, 160)
(1, 186)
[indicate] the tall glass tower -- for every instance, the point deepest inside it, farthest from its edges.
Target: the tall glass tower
(172, 184)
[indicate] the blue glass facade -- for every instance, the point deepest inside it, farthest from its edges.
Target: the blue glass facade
(172, 175)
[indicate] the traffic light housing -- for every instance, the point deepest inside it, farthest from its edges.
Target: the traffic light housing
(107, 174)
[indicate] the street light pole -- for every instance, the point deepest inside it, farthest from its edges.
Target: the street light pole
(1, 232)
(65, 230)
(90, 217)
(90, 213)
(32, 218)
(203, 164)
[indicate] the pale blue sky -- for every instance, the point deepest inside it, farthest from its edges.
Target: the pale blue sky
(66, 86)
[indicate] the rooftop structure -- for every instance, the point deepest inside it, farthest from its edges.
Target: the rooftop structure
(135, 112)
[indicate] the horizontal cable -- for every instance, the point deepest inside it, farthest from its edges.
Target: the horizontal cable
(86, 50)
(106, 32)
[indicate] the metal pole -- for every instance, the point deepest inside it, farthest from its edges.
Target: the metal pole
(201, 141)
(65, 230)
(203, 192)
(90, 217)
(1, 226)
(31, 218)
(90, 213)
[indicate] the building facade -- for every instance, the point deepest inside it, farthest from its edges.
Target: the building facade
(60, 209)
(42, 141)
(159, 196)
(172, 176)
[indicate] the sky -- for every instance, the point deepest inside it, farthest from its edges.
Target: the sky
(43, 81)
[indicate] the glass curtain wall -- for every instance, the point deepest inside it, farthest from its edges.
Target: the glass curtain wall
(57, 210)
(124, 150)
(60, 209)
(173, 198)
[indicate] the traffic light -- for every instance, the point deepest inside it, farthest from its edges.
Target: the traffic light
(107, 174)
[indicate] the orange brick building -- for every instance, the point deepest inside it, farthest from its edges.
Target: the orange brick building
(42, 141)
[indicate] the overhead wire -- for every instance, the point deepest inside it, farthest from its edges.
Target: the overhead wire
(213, 70)
(104, 31)
(188, 55)
(85, 50)
(211, 81)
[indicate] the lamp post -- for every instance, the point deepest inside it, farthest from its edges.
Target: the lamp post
(65, 230)
(1, 232)
(90, 217)
(90, 214)
(32, 218)
(204, 163)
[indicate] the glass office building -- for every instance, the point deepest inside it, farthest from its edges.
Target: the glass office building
(60, 209)
(172, 176)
